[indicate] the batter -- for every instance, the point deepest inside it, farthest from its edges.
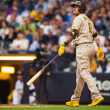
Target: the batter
(82, 34)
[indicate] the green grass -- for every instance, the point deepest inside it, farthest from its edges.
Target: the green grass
(53, 107)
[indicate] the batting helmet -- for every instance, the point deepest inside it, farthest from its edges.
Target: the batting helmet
(82, 6)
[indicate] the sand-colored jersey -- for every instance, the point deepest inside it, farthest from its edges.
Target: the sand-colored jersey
(85, 28)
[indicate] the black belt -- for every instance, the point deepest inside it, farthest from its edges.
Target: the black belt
(84, 43)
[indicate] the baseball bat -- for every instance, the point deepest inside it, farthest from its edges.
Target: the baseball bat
(40, 72)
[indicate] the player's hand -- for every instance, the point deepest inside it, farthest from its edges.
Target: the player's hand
(100, 54)
(61, 49)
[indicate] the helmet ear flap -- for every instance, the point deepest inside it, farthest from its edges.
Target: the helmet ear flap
(81, 10)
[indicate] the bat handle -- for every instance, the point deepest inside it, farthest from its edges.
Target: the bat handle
(51, 61)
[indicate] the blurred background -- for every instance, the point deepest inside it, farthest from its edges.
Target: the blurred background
(31, 32)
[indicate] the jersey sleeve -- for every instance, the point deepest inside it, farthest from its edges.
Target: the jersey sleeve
(76, 23)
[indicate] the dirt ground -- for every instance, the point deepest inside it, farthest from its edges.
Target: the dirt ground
(25, 106)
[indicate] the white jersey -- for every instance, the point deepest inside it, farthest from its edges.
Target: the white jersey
(19, 86)
(85, 28)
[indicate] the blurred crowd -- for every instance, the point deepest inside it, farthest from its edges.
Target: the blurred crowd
(33, 24)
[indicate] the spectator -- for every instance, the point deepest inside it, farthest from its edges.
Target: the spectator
(97, 22)
(101, 3)
(46, 25)
(43, 3)
(60, 23)
(68, 6)
(0, 24)
(2, 7)
(90, 4)
(97, 10)
(37, 15)
(21, 43)
(11, 36)
(28, 24)
(63, 12)
(107, 1)
(13, 21)
(106, 47)
(50, 1)
(26, 8)
(4, 30)
(107, 7)
(17, 95)
(50, 41)
(61, 15)
(3, 16)
(103, 16)
(59, 32)
(68, 19)
(53, 24)
(7, 3)
(104, 66)
(35, 44)
(57, 11)
(108, 20)
(49, 12)
(55, 4)
(16, 3)
(41, 33)
(15, 11)
(29, 36)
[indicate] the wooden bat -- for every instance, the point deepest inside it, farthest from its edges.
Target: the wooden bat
(40, 72)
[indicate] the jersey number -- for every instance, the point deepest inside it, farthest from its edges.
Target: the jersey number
(90, 27)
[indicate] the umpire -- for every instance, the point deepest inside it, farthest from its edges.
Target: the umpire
(82, 34)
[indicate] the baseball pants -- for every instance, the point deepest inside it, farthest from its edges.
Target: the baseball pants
(17, 98)
(84, 56)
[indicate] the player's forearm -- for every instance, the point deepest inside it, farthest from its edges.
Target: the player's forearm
(97, 40)
(68, 40)
(71, 36)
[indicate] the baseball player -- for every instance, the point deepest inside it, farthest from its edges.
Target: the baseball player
(82, 33)
(17, 95)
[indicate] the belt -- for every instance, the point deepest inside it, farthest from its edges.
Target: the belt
(84, 43)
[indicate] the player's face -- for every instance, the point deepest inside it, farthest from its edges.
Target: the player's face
(20, 77)
(75, 10)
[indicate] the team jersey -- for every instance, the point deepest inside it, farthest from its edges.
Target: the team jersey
(19, 86)
(85, 28)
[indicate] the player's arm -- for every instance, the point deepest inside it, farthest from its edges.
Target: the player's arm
(100, 53)
(69, 39)
(97, 40)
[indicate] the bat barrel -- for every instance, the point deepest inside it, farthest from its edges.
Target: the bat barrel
(35, 77)
(40, 72)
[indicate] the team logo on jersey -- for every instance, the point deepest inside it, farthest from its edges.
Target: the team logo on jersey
(73, 26)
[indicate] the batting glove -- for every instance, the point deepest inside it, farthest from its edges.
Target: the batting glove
(100, 54)
(61, 49)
